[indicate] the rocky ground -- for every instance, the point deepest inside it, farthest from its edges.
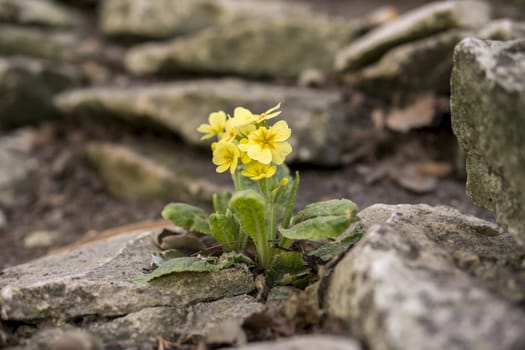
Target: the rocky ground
(97, 130)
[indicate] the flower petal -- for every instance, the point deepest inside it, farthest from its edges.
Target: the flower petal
(281, 131)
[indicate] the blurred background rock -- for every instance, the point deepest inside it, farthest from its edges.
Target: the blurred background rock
(99, 101)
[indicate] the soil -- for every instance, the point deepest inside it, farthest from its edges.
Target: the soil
(64, 194)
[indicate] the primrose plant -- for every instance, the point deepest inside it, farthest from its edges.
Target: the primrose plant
(259, 214)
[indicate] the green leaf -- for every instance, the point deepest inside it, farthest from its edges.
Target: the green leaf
(321, 220)
(317, 228)
(187, 216)
(185, 264)
(287, 268)
(328, 251)
(221, 202)
(334, 207)
(224, 228)
(250, 208)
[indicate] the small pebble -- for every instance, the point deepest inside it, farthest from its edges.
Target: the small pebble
(40, 239)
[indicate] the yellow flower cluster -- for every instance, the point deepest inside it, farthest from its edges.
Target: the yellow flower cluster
(247, 137)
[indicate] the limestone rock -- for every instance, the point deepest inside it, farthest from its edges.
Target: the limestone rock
(17, 40)
(15, 164)
(503, 29)
(153, 171)
(97, 280)
(140, 19)
(307, 342)
(64, 338)
(27, 87)
(279, 49)
(422, 65)
(488, 104)
(149, 323)
(426, 278)
(317, 118)
(37, 12)
(422, 22)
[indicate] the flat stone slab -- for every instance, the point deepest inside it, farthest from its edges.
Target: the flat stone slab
(152, 171)
(162, 19)
(97, 280)
(419, 23)
(488, 104)
(428, 278)
(320, 132)
(280, 49)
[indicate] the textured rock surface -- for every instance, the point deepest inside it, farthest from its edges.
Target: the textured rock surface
(488, 104)
(100, 276)
(151, 172)
(149, 323)
(27, 87)
(427, 278)
(317, 118)
(166, 18)
(422, 22)
(15, 164)
(16, 40)
(422, 65)
(314, 342)
(280, 49)
(37, 12)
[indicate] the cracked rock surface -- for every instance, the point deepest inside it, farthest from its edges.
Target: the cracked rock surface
(430, 278)
(92, 287)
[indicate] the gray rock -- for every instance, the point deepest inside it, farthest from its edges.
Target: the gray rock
(427, 278)
(37, 12)
(141, 19)
(64, 338)
(503, 29)
(488, 104)
(16, 164)
(41, 238)
(313, 342)
(422, 65)
(317, 118)
(97, 280)
(17, 40)
(28, 86)
(422, 22)
(279, 49)
(153, 172)
(149, 323)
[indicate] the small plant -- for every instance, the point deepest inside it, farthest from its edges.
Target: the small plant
(259, 214)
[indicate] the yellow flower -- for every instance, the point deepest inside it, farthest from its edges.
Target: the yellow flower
(229, 133)
(256, 171)
(217, 122)
(270, 113)
(242, 117)
(268, 145)
(225, 156)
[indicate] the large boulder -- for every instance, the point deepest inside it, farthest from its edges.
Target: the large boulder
(37, 12)
(430, 278)
(27, 87)
(92, 287)
(488, 104)
(153, 171)
(422, 22)
(145, 19)
(279, 49)
(317, 118)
